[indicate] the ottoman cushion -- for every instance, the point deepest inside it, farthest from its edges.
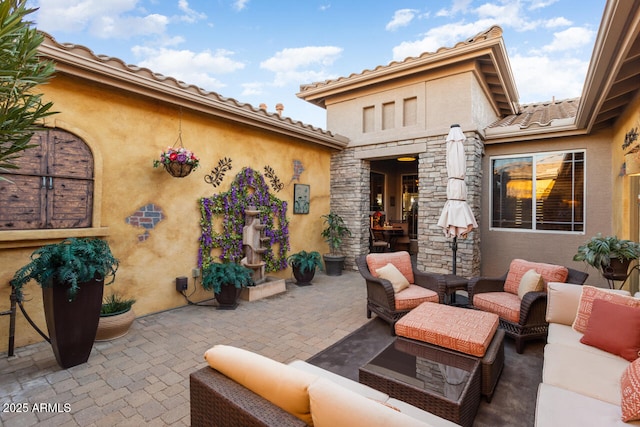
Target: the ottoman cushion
(460, 329)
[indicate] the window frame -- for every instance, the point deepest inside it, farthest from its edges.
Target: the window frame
(534, 155)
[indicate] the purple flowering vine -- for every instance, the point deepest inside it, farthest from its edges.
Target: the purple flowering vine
(222, 221)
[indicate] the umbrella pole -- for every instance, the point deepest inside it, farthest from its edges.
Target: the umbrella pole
(454, 247)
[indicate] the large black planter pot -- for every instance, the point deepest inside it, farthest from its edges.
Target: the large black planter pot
(617, 269)
(73, 324)
(303, 279)
(333, 264)
(228, 297)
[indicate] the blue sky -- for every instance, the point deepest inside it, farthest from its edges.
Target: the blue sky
(261, 51)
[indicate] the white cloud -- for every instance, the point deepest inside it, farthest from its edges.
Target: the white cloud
(293, 65)
(401, 18)
(195, 68)
(540, 4)
(190, 15)
(540, 78)
(250, 89)
(290, 64)
(101, 18)
(458, 6)
(557, 22)
(570, 39)
(240, 4)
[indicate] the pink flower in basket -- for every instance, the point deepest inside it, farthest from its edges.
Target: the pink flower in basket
(177, 155)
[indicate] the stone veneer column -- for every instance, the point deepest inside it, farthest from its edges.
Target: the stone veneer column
(350, 199)
(350, 187)
(435, 253)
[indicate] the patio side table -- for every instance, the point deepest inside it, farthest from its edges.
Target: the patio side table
(454, 283)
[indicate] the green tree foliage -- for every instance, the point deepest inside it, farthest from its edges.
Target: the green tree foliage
(21, 70)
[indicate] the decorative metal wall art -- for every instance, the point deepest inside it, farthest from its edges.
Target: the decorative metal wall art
(217, 173)
(275, 181)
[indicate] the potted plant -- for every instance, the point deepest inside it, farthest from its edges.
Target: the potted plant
(304, 265)
(335, 230)
(179, 162)
(610, 255)
(226, 280)
(116, 317)
(72, 275)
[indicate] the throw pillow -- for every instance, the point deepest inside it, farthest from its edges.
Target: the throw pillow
(392, 274)
(530, 282)
(614, 328)
(402, 261)
(591, 293)
(630, 391)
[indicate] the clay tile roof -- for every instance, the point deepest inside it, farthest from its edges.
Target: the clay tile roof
(493, 32)
(541, 114)
(83, 58)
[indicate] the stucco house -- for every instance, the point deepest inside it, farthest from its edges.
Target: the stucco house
(93, 175)
(541, 178)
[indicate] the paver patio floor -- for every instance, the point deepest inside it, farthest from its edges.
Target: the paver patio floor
(143, 377)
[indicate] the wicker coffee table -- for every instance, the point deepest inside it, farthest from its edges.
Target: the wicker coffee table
(440, 381)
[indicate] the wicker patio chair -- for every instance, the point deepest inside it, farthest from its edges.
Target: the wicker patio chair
(381, 298)
(533, 307)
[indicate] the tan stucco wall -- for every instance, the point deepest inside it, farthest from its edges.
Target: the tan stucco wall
(499, 247)
(443, 97)
(126, 133)
(623, 189)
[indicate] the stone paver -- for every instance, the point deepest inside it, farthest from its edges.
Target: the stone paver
(143, 377)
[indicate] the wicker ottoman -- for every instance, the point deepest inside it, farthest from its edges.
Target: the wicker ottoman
(472, 332)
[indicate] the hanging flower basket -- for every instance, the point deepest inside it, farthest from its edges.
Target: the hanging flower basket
(179, 162)
(178, 170)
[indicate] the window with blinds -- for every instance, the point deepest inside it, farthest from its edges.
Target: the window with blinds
(542, 191)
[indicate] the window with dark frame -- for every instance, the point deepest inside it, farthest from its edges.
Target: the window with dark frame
(541, 192)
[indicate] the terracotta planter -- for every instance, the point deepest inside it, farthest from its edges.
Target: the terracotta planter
(72, 325)
(303, 279)
(228, 297)
(114, 326)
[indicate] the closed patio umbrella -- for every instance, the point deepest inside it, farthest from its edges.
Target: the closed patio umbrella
(456, 218)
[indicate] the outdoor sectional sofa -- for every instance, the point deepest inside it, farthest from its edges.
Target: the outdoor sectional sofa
(241, 388)
(581, 383)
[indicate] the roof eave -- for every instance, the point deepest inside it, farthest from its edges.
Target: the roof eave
(619, 27)
(81, 62)
(493, 46)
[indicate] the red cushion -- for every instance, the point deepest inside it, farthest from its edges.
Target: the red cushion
(614, 328)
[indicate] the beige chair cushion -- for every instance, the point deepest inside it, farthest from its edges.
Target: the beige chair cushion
(332, 405)
(392, 274)
(282, 385)
(531, 281)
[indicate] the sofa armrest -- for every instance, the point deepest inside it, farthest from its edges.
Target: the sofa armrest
(217, 400)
